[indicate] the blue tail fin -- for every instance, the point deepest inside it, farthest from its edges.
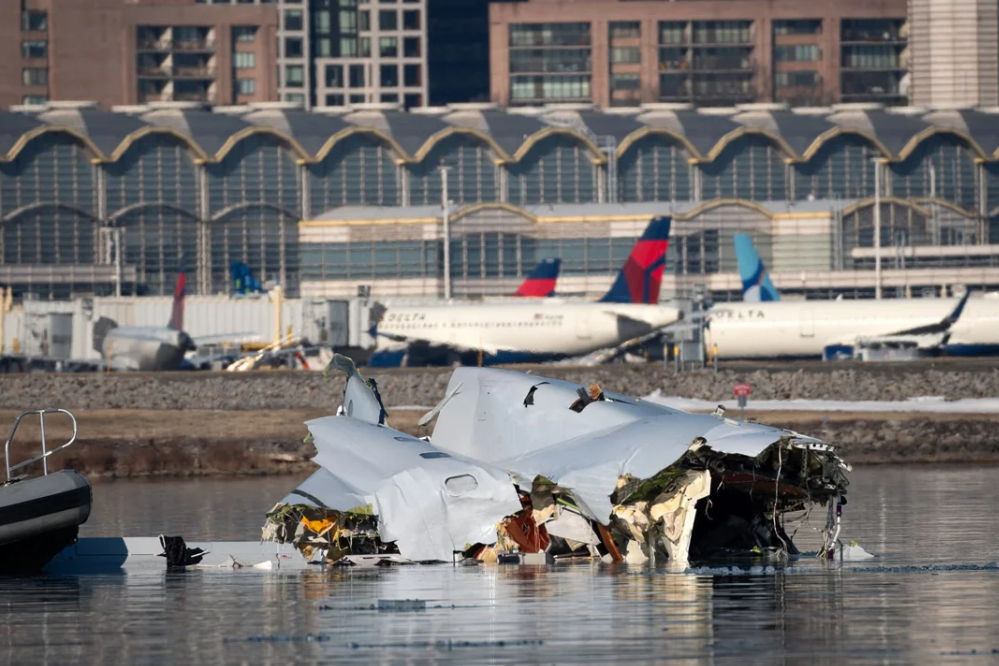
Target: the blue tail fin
(756, 284)
(243, 279)
(541, 281)
(639, 279)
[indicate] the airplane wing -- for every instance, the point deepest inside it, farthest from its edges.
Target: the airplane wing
(929, 336)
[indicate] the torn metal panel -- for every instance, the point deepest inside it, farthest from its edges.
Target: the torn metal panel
(428, 502)
(676, 511)
(360, 397)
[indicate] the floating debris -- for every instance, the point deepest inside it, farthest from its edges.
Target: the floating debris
(530, 470)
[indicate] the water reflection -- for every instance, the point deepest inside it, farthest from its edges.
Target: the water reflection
(877, 612)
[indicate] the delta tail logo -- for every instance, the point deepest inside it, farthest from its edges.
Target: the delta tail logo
(642, 276)
(541, 281)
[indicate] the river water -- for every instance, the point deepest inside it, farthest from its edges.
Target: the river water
(930, 596)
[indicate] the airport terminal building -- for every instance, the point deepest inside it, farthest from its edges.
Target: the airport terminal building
(350, 199)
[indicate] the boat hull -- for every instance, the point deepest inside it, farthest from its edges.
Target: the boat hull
(39, 517)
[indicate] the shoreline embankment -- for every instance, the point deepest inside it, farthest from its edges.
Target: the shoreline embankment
(217, 424)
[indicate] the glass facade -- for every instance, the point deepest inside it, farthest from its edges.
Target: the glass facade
(549, 62)
(872, 67)
(706, 62)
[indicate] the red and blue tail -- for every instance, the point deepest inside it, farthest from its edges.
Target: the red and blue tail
(541, 281)
(177, 317)
(642, 275)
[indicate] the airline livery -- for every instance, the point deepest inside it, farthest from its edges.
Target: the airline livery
(535, 331)
(831, 329)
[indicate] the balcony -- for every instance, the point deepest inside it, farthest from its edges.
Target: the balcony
(153, 45)
(194, 45)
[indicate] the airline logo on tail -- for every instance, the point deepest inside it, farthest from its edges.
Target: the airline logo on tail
(541, 281)
(642, 275)
(756, 284)
(243, 280)
(177, 318)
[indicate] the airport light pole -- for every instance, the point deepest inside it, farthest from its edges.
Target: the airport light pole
(877, 228)
(445, 204)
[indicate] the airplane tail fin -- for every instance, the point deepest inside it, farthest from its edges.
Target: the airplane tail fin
(102, 327)
(243, 279)
(756, 284)
(177, 318)
(541, 281)
(642, 275)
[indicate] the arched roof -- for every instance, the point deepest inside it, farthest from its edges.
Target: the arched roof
(511, 135)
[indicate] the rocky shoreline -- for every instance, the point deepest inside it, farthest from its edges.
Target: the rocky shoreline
(425, 386)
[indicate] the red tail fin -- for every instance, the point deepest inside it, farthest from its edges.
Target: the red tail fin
(177, 318)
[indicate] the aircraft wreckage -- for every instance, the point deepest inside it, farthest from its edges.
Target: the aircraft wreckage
(523, 468)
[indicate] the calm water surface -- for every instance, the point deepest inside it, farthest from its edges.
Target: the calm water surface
(931, 596)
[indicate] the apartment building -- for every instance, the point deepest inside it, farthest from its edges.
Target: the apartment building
(703, 52)
(120, 52)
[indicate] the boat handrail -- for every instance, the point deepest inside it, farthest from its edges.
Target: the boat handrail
(45, 452)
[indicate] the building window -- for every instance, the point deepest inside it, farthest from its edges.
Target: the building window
(672, 32)
(35, 76)
(293, 19)
(411, 101)
(322, 21)
(722, 32)
(244, 33)
(244, 60)
(796, 53)
(388, 19)
(365, 50)
(348, 20)
(411, 47)
(562, 61)
(334, 76)
(33, 100)
(293, 47)
(348, 47)
(324, 47)
(625, 30)
(390, 97)
(550, 34)
(295, 98)
(388, 47)
(357, 99)
(798, 27)
(35, 49)
(334, 100)
(357, 76)
(626, 54)
(624, 81)
(34, 21)
(246, 86)
(801, 79)
(294, 76)
(527, 88)
(411, 75)
(364, 20)
(389, 75)
(411, 19)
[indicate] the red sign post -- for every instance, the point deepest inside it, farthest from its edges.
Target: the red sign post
(742, 391)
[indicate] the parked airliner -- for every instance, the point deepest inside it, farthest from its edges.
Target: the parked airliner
(543, 329)
(832, 328)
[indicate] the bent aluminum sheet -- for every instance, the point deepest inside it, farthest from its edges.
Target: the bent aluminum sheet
(591, 465)
(428, 502)
(487, 420)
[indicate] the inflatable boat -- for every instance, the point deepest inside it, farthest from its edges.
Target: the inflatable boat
(40, 516)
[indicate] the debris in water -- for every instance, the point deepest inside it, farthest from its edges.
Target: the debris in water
(525, 469)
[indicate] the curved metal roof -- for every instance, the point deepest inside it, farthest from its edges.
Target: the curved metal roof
(13, 126)
(704, 133)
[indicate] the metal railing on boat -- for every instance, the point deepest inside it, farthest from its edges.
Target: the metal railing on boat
(45, 452)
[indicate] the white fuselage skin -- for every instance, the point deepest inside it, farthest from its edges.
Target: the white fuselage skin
(806, 328)
(542, 326)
